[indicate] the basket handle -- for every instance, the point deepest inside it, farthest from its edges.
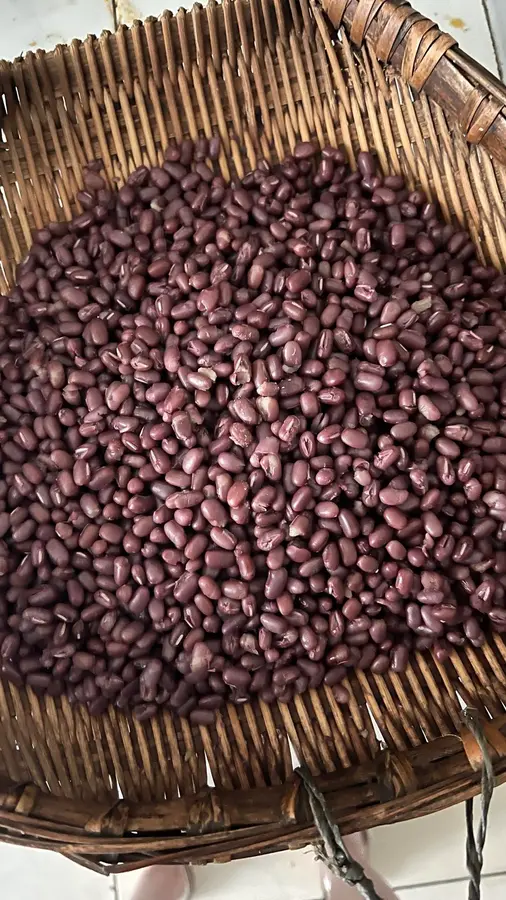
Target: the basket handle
(429, 59)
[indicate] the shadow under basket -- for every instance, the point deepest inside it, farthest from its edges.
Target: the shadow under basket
(110, 792)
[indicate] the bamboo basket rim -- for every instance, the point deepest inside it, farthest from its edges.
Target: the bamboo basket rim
(110, 793)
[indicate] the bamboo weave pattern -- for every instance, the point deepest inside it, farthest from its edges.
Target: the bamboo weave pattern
(262, 75)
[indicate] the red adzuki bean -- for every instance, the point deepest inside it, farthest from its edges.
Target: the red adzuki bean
(253, 436)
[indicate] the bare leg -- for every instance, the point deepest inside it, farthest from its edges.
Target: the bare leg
(335, 889)
(173, 883)
(163, 883)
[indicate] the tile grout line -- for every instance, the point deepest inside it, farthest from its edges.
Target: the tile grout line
(115, 20)
(115, 888)
(443, 881)
(486, 12)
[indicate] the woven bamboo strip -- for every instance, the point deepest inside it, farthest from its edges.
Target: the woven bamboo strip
(261, 76)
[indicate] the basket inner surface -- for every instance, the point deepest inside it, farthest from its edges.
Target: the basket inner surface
(262, 75)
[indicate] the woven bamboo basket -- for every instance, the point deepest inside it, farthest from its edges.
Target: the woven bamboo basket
(109, 792)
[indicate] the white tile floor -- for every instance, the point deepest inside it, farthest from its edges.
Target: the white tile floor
(432, 849)
(424, 859)
(494, 888)
(26, 874)
(28, 24)
(280, 876)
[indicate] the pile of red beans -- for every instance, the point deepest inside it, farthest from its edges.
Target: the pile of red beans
(252, 436)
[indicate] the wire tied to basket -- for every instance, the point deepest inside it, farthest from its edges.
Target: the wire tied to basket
(330, 848)
(476, 843)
